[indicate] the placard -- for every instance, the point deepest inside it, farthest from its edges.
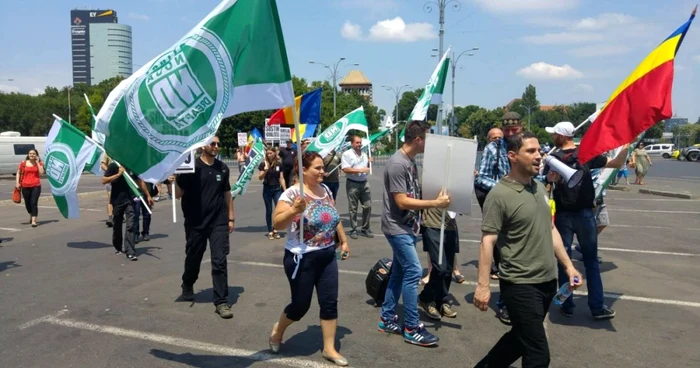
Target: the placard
(242, 139)
(285, 134)
(444, 163)
(187, 167)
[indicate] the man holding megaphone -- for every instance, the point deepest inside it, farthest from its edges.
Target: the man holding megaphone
(574, 197)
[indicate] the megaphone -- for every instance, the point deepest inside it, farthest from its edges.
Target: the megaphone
(571, 177)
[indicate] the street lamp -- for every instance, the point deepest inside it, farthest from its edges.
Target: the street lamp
(441, 4)
(334, 75)
(529, 110)
(397, 93)
(7, 80)
(454, 62)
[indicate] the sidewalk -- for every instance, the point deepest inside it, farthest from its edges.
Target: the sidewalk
(676, 188)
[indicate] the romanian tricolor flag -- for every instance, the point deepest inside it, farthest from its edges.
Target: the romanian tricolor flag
(641, 101)
(305, 131)
(255, 134)
(308, 109)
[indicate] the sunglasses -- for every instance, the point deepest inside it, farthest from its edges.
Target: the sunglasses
(215, 144)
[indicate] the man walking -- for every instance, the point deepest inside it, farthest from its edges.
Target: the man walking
(517, 220)
(288, 155)
(355, 165)
(122, 200)
(401, 224)
(331, 175)
(208, 210)
(575, 215)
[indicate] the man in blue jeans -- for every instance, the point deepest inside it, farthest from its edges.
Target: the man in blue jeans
(575, 215)
(402, 204)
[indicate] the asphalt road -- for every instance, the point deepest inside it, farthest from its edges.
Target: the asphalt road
(674, 169)
(88, 183)
(68, 301)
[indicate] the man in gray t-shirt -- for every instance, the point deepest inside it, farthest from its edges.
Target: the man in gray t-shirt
(400, 225)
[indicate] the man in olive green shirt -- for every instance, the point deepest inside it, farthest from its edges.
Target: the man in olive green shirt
(517, 219)
(433, 297)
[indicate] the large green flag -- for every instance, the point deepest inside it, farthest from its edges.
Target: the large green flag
(232, 62)
(432, 93)
(67, 152)
(334, 135)
(256, 155)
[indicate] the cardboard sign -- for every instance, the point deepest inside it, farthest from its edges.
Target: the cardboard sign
(187, 167)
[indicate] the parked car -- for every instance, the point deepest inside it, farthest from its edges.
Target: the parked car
(664, 150)
(691, 153)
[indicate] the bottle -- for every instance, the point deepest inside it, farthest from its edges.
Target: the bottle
(564, 293)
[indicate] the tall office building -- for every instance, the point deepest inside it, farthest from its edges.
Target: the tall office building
(101, 46)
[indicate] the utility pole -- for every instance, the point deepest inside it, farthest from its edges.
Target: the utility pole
(529, 110)
(454, 62)
(397, 93)
(69, 122)
(334, 75)
(428, 8)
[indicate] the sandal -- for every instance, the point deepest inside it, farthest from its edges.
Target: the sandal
(459, 278)
(270, 236)
(276, 235)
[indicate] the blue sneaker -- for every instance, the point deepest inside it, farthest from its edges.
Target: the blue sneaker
(391, 326)
(419, 336)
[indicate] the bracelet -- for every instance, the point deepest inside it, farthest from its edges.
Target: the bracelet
(231, 220)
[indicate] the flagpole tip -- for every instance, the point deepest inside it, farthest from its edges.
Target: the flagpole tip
(695, 10)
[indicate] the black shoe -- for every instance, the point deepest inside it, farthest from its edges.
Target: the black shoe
(145, 237)
(187, 294)
(503, 316)
(109, 222)
(132, 257)
(367, 234)
(605, 313)
(566, 312)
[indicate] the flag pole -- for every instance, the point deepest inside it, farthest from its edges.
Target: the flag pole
(300, 172)
(124, 174)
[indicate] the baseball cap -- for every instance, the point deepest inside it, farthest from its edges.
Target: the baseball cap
(564, 128)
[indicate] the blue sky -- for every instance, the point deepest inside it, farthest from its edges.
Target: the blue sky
(571, 50)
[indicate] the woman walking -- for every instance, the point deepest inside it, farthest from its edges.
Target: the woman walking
(241, 158)
(313, 263)
(28, 180)
(273, 186)
(641, 163)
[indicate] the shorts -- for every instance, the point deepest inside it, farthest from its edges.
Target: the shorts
(108, 187)
(622, 173)
(602, 218)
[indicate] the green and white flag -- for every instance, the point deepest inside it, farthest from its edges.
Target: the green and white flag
(432, 93)
(232, 62)
(334, 135)
(94, 164)
(67, 152)
(96, 136)
(256, 155)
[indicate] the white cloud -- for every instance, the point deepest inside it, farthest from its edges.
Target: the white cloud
(138, 16)
(583, 87)
(516, 6)
(603, 21)
(351, 31)
(8, 88)
(599, 50)
(543, 70)
(390, 30)
(563, 38)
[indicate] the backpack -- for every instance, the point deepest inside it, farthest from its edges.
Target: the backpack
(579, 197)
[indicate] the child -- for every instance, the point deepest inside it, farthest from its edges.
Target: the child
(623, 172)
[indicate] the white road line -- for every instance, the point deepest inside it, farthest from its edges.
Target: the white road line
(650, 252)
(35, 322)
(10, 229)
(615, 296)
(469, 241)
(613, 209)
(655, 227)
(258, 356)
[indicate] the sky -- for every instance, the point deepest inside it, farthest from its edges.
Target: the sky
(571, 50)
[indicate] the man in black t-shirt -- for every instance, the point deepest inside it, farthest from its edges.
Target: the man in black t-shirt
(208, 210)
(288, 155)
(122, 200)
(574, 214)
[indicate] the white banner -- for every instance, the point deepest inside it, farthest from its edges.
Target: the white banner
(242, 139)
(187, 167)
(285, 134)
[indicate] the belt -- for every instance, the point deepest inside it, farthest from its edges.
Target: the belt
(357, 181)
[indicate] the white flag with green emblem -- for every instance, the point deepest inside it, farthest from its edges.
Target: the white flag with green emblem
(334, 135)
(67, 152)
(232, 62)
(432, 93)
(256, 155)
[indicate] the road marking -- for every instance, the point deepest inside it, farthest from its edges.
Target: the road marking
(615, 296)
(653, 211)
(690, 177)
(650, 252)
(43, 319)
(10, 229)
(469, 241)
(258, 356)
(82, 209)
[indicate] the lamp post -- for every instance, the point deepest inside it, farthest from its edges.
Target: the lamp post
(397, 93)
(529, 110)
(441, 4)
(69, 108)
(454, 62)
(334, 75)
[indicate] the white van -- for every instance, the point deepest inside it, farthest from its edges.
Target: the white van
(14, 148)
(664, 150)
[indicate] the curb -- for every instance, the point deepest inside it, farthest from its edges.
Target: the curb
(7, 202)
(667, 194)
(621, 189)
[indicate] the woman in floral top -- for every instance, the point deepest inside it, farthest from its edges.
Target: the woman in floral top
(311, 263)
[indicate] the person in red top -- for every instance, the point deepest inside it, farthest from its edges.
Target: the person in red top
(29, 172)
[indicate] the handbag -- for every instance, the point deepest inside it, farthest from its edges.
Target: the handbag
(17, 193)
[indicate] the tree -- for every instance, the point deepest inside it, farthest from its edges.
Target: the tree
(656, 131)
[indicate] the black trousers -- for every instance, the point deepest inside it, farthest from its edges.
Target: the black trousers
(139, 212)
(528, 305)
(438, 286)
(123, 213)
(317, 269)
(218, 237)
(31, 199)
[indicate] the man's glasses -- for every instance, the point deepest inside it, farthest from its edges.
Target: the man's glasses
(215, 144)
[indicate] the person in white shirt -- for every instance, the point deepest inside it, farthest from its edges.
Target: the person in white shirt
(355, 165)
